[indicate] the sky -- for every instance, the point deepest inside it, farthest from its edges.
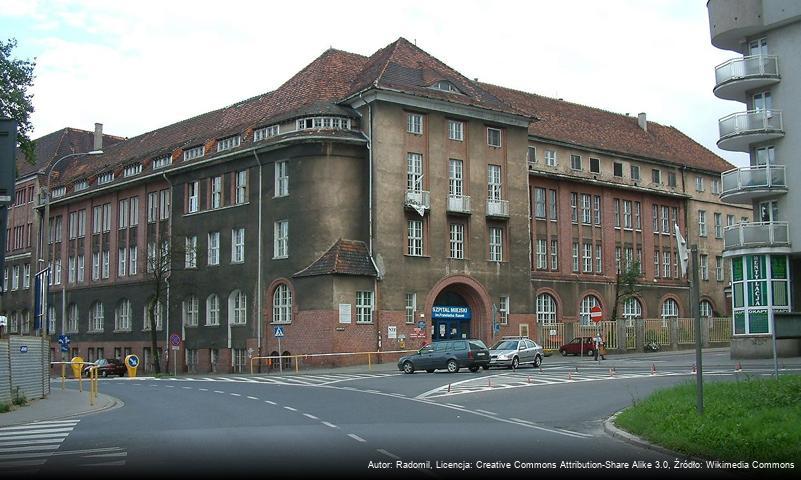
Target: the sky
(139, 65)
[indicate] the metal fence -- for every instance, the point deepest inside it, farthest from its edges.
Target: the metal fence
(657, 331)
(719, 330)
(685, 330)
(24, 367)
(631, 337)
(551, 336)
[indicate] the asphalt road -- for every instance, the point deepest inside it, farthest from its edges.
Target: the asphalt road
(361, 424)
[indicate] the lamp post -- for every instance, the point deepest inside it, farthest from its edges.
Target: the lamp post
(44, 249)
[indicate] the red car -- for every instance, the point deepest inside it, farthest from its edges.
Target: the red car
(578, 345)
(106, 367)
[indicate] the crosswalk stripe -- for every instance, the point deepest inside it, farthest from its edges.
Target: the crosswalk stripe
(35, 426)
(33, 448)
(22, 463)
(37, 436)
(31, 442)
(50, 430)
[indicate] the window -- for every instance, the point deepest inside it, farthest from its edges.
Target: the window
(265, 132)
(574, 207)
(323, 122)
(194, 152)
(665, 220)
(670, 309)
(212, 310)
(72, 318)
(241, 187)
(105, 177)
(106, 262)
(122, 264)
(637, 215)
(237, 245)
(539, 202)
(575, 256)
(152, 206)
(494, 184)
(550, 158)
(598, 258)
(699, 183)
(729, 220)
(411, 307)
(627, 223)
(414, 123)
(656, 218)
(132, 170)
(189, 311)
(281, 240)
(596, 205)
(586, 216)
(617, 169)
(455, 130)
(671, 179)
(666, 264)
(704, 266)
(716, 186)
(496, 244)
(503, 310)
(635, 172)
(55, 229)
(531, 155)
(71, 270)
(122, 207)
(96, 266)
(190, 252)
(237, 308)
(493, 137)
(15, 277)
(719, 269)
(81, 185)
(213, 253)
(364, 307)
(96, 317)
(656, 176)
(97, 220)
(282, 304)
(282, 178)
(132, 260)
(193, 197)
(80, 275)
(705, 308)
(554, 255)
(457, 240)
(122, 316)
(616, 203)
(414, 172)
(445, 86)
(718, 225)
(546, 309)
(765, 156)
(455, 177)
(414, 234)
(552, 207)
(632, 309)
(164, 204)
(59, 192)
(702, 223)
(575, 162)
(26, 274)
(587, 258)
(542, 254)
(656, 263)
(595, 165)
(229, 143)
(162, 162)
(216, 192)
(586, 306)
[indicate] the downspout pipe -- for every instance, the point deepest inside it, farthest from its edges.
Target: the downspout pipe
(259, 312)
(167, 281)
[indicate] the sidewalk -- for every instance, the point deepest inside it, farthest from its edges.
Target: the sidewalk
(57, 405)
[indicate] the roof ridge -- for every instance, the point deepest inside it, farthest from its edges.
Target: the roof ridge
(388, 58)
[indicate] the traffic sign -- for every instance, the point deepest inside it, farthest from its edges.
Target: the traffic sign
(421, 324)
(23, 349)
(278, 331)
(132, 361)
(175, 339)
(65, 348)
(497, 327)
(64, 341)
(596, 315)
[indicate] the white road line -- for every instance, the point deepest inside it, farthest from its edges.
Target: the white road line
(203, 389)
(310, 416)
(235, 395)
(187, 388)
(170, 386)
(252, 398)
(34, 448)
(37, 436)
(87, 451)
(291, 409)
(208, 379)
(454, 405)
(34, 426)
(390, 455)
(32, 442)
(329, 425)
(37, 431)
(22, 463)
(485, 411)
(575, 433)
(535, 426)
(356, 437)
(21, 456)
(118, 463)
(217, 391)
(107, 455)
(271, 403)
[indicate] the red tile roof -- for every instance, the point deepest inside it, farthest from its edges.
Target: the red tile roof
(592, 127)
(345, 257)
(53, 146)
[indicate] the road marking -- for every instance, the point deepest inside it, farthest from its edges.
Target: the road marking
(252, 398)
(28, 448)
(454, 405)
(170, 386)
(235, 395)
(587, 435)
(36, 430)
(483, 411)
(118, 463)
(271, 403)
(390, 455)
(329, 425)
(187, 388)
(310, 416)
(53, 439)
(217, 391)
(37, 436)
(356, 437)
(108, 455)
(203, 389)
(291, 409)
(545, 429)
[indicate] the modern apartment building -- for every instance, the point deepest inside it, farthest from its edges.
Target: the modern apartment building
(764, 249)
(369, 203)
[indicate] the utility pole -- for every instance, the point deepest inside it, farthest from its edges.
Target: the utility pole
(695, 296)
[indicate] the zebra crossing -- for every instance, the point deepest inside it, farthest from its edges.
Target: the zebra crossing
(301, 380)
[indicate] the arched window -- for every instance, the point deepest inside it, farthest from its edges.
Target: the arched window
(670, 309)
(282, 304)
(122, 316)
(632, 310)
(212, 310)
(158, 310)
(546, 309)
(586, 305)
(96, 317)
(706, 308)
(189, 311)
(72, 318)
(237, 308)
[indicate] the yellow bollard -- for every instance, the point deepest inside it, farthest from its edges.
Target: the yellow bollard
(369, 362)
(63, 375)
(77, 366)
(296, 363)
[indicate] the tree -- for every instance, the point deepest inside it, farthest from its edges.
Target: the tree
(16, 76)
(626, 286)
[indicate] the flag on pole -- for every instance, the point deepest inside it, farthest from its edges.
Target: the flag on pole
(682, 250)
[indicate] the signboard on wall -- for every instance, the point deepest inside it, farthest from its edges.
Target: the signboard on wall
(456, 313)
(392, 331)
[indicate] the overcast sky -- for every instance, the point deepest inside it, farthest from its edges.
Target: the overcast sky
(138, 65)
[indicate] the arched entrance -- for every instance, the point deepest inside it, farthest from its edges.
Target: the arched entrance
(459, 307)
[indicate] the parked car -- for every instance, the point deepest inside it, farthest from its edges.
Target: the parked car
(106, 367)
(578, 345)
(511, 352)
(448, 354)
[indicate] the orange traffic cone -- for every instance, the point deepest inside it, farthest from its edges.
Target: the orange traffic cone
(611, 372)
(653, 369)
(694, 370)
(529, 379)
(569, 376)
(739, 367)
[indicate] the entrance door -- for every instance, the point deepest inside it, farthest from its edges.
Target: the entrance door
(447, 329)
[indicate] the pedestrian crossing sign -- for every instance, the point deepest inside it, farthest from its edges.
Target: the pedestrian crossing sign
(279, 331)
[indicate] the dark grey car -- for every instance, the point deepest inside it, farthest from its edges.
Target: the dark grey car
(448, 354)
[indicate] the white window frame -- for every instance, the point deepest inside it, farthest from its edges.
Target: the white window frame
(491, 134)
(457, 239)
(213, 250)
(281, 178)
(190, 252)
(546, 309)
(193, 197)
(237, 308)
(411, 308)
(241, 187)
(212, 310)
(364, 306)
(414, 123)
(216, 191)
(229, 143)
(414, 238)
(189, 311)
(194, 152)
(237, 245)
(282, 304)
(281, 239)
(495, 244)
(456, 130)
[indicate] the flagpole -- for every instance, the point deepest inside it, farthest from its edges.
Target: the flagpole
(695, 298)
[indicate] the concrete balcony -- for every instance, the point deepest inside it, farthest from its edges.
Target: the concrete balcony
(756, 237)
(739, 130)
(735, 77)
(419, 200)
(498, 208)
(459, 204)
(743, 185)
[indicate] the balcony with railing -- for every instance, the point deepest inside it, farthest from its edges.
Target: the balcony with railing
(769, 237)
(739, 130)
(498, 208)
(418, 199)
(458, 204)
(743, 185)
(738, 75)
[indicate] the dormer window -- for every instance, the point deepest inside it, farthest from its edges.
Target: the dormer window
(82, 185)
(162, 162)
(445, 86)
(194, 152)
(132, 169)
(229, 143)
(265, 132)
(323, 122)
(59, 192)
(105, 177)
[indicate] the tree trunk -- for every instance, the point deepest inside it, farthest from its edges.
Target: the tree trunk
(151, 313)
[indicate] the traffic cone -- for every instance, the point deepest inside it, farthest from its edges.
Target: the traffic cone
(576, 369)
(449, 388)
(694, 370)
(739, 367)
(611, 372)
(489, 382)
(570, 376)
(653, 369)
(529, 379)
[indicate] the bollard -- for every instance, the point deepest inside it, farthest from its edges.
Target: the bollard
(694, 371)
(63, 375)
(297, 364)
(653, 369)
(489, 382)
(570, 376)
(369, 362)
(449, 388)
(611, 372)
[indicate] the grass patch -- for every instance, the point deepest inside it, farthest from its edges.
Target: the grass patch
(751, 419)
(4, 407)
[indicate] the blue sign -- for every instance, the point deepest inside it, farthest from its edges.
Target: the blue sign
(132, 360)
(497, 327)
(458, 313)
(23, 349)
(65, 348)
(278, 331)
(64, 341)
(421, 324)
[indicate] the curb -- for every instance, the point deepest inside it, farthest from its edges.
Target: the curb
(615, 432)
(110, 403)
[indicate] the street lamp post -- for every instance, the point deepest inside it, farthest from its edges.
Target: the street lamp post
(44, 250)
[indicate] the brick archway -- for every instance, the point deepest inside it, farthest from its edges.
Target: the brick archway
(477, 298)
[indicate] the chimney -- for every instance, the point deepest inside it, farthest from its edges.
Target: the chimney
(98, 136)
(641, 121)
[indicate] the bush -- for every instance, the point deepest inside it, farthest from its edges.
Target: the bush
(4, 407)
(19, 398)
